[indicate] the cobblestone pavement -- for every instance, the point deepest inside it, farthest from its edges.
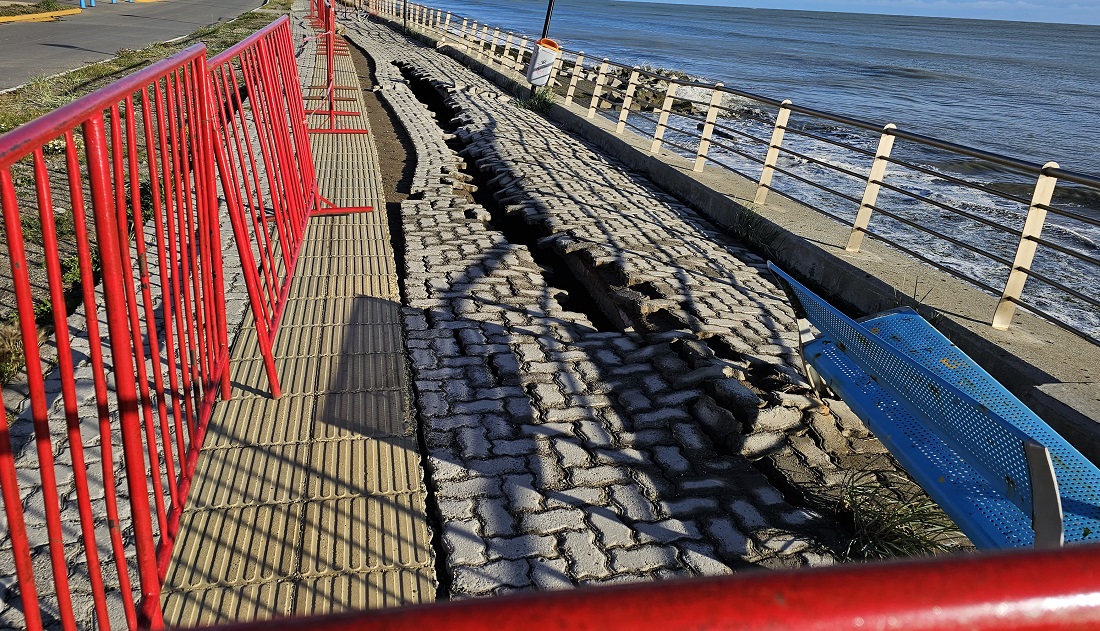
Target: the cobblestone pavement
(677, 440)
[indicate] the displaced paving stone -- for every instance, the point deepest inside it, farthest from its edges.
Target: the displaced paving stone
(551, 574)
(667, 531)
(522, 547)
(489, 578)
(612, 531)
(731, 541)
(464, 542)
(702, 558)
(604, 475)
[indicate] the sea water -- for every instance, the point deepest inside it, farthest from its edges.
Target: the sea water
(1026, 90)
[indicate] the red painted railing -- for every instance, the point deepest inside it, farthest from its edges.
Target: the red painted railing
(266, 168)
(130, 171)
(331, 47)
(1004, 592)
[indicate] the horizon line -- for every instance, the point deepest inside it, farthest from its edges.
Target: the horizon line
(885, 12)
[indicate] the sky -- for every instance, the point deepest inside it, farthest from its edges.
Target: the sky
(1062, 11)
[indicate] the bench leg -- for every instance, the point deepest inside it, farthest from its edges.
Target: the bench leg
(805, 336)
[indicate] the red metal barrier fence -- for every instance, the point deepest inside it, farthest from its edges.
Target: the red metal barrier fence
(266, 166)
(1005, 592)
(121, 180)
(323, 14)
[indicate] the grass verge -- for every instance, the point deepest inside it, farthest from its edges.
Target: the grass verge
(45, 6)
(541, 101)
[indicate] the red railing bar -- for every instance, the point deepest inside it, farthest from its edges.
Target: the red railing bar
(299, 131)
(259, 210)
(286, 162)
(115, 300)
(259, 301)
(214, 242)
(173, 208)
(137, 346)
(161, 204)
(266, 137)
(201, 242)
(91, 316)
(68, 388)
(1022, 590)
(184, 232)
(147, 300)
(252, 192)
(39, 412)
(9, 483)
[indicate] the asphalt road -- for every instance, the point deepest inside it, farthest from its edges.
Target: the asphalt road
(34, 49)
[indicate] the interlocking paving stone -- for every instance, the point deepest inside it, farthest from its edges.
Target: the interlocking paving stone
(314, 503)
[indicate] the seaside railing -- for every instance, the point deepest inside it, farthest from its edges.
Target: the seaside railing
(878, 187)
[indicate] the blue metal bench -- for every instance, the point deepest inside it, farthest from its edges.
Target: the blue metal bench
(1003, 475)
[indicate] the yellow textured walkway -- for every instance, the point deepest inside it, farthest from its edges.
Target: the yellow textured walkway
(314, 503)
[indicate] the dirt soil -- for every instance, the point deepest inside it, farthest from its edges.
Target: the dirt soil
(394, 150)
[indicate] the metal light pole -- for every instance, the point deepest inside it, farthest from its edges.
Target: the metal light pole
(405, 16)
(549, 13)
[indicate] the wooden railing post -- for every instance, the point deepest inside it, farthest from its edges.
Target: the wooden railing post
(480, 39)
(465, 23)
(554, 71)
(1025, 252)
(447, 27)
(870, 194)
(708, 128)
(772, 156)
(519, 57)
(597, 91)
(628, 100)
(493, 47)
(506, 56)
(578, 67)
(662, 120)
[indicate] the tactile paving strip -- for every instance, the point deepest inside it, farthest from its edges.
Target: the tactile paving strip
(314, 503)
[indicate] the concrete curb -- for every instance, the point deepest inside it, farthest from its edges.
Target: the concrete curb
(39, 17)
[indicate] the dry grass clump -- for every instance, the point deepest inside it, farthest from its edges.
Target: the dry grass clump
(890, 522)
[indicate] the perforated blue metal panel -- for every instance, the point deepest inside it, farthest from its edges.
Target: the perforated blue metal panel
(949, 416)
(1078, 479)
(988, 519)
